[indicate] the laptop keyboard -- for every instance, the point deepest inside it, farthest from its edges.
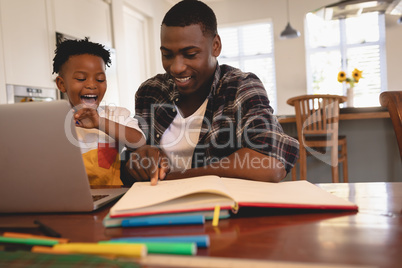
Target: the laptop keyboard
(99, 196)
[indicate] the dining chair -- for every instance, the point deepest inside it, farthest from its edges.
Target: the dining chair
(317, 122)
(393, 101)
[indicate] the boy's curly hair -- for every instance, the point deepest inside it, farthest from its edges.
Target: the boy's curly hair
(68, 48)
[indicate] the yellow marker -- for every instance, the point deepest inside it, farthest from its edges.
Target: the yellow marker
(49, 250)
(120, 250)
(235, 208)
(215, 219)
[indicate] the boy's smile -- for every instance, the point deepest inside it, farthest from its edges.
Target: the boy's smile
(83, 78)
(89, 99)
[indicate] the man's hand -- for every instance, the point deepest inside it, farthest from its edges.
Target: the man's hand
(148, 163)
(87, 118)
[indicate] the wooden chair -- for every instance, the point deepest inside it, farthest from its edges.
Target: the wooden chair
(317, 121)
(393, 101)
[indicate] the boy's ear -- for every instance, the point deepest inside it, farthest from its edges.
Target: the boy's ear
(60, 84)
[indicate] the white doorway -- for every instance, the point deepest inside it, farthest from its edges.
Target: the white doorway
(136, 55)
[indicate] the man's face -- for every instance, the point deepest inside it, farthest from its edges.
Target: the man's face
(83, 78)
(189, 56)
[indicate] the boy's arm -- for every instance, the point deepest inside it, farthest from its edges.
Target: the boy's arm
(89, 118)
(131, 137)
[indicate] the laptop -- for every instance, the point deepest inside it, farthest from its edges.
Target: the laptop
(41, 168)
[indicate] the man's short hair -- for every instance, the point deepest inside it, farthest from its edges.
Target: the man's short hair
(68, 48)
(190, 12)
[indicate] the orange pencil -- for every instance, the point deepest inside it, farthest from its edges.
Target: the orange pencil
(49, 250)
(23, 235)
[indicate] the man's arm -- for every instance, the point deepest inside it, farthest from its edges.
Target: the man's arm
(245, 163)
(150, 163)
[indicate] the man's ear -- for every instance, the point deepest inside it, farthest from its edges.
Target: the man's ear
(60, 84)
(216, 46)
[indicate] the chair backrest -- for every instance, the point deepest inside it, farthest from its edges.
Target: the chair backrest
(317, 114)
(393, 101)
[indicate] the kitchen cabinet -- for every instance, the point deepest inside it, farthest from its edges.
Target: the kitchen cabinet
(83, 18)
(28, 35)
(26, 47)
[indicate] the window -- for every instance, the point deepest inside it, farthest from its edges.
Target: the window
(250, 48)
(346, 44)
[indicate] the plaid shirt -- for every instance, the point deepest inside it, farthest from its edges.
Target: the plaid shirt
(238, 115)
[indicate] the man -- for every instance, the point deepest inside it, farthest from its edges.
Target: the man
(204, 119)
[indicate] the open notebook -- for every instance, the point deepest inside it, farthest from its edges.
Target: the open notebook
(41, 170)
(205, 192)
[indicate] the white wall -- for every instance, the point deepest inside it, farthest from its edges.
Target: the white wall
(3, 94)
(394, 55)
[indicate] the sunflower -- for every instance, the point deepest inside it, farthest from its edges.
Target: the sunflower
(341, 76)
(357, 74)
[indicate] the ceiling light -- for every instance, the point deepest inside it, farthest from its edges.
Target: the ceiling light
(289, 32)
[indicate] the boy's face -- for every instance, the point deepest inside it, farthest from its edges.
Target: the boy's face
(83, 78)
(189, 56)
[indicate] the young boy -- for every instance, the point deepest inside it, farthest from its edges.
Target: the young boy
(101, 131)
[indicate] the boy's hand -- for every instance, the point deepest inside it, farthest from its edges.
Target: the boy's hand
(87, 118)
(148, 163)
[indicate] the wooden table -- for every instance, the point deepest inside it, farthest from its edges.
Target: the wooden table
(349, 114)
(371, 237)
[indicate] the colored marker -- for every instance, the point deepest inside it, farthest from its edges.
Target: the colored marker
(121, 250)
(163, 220)
(202, 241)
(23, 235)
(116, 222)
(28, 241)
(49, 250)
(215, 219)
(162, 247)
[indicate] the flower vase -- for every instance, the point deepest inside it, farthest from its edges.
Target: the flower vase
(349, 95)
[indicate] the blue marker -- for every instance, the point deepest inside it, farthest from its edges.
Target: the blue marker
(202, 241)
(163, 220)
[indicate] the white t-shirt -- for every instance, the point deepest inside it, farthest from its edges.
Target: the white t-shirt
(99, 150)
(89, 138)
(181, 137)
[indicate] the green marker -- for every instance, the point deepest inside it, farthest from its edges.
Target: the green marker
(171, 248)
(28, 241)
(164, 247)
